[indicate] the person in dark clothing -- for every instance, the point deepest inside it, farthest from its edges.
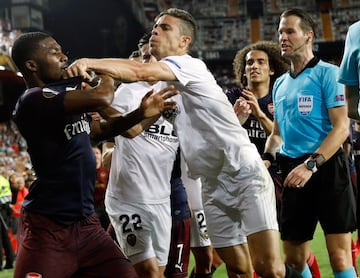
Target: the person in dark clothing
(58, 220)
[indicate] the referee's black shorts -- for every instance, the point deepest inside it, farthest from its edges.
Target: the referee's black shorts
(327, 197)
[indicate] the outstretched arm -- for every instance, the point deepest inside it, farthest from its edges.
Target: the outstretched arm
(111, 112)
(90, 98)
(121, 69)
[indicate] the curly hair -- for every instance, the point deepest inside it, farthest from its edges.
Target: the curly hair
(277, 63)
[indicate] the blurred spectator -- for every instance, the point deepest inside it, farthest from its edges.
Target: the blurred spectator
(5, 215)
(19, 192)
(13, 152)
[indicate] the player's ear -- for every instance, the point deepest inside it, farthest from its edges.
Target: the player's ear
(31, 65)
(185, 41)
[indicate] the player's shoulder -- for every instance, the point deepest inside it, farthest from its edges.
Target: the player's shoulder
(327, 65)
(180, 61)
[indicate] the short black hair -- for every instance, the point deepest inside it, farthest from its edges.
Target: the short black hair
(25, 46)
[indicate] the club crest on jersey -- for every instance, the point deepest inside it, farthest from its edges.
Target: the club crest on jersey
(33, 275)
(131, 239)
(305, 104)
(170, 115)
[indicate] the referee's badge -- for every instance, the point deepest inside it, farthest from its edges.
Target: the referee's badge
(131, 239)
(305, 104)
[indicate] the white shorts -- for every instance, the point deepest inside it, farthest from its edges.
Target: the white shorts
(239, 204)
(199, 236)
(143, 230)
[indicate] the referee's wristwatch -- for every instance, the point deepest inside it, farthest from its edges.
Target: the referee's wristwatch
(314, 162)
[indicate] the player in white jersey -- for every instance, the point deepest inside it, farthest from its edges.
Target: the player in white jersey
(238, 192)
(138, 194)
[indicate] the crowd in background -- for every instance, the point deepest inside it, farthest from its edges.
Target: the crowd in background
(16, 175)
(14, 159)
(13, 153)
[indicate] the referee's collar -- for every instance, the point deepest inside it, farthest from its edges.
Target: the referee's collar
(312, 63)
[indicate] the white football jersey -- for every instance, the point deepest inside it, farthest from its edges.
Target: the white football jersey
(209, 131)
(141, 167)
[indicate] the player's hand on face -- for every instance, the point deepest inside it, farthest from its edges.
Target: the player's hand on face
(78, 68)
(242, 109)
(153, 104)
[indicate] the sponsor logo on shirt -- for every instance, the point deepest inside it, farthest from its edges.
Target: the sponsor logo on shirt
(76, 128)
(162, 133)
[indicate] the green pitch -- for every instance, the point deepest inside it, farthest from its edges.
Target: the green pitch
(318, 247)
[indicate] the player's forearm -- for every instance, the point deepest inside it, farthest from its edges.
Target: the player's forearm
(120, 69)
(273, 144)
(266, 123)
(334, 140)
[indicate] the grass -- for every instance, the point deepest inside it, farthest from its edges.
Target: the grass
(7, 273)
(317, 245)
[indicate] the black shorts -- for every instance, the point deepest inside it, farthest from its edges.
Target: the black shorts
(327, 197)
(82, 249)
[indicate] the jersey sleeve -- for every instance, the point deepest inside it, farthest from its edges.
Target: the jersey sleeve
(186, 69)
(350, 64)
(333, 90)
